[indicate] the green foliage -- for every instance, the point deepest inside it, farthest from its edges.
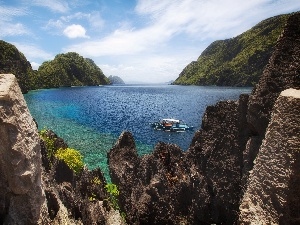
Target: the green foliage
(49, 142)
(69, 69)
(237, 61)
(72, 158)
(113, 192)
(96, 181)
(13, 61)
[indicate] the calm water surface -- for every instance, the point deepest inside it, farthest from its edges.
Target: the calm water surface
(90, 119)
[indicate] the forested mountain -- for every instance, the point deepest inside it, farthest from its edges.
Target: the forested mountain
(115, 80)
(13, 61)
(237, 61)
(69, 69)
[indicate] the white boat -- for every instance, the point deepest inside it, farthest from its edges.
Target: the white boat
(171, 125)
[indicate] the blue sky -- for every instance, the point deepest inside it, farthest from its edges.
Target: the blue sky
(142, 41)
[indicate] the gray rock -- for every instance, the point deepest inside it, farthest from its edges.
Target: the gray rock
(273, 186)
(21, 194)
(282, 72)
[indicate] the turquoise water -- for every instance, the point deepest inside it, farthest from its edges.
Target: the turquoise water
(90, 119)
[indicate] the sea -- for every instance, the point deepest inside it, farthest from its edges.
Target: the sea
(90, 119)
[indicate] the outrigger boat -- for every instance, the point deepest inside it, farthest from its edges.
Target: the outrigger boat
(171, 125)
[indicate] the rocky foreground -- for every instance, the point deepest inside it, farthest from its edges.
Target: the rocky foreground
(242, 166)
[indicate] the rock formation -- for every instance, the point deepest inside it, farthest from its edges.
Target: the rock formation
(282, 72)
(21, 193)
(273, 186)
(207, 183)
(36, 188)
(159, 188)
(75, 198)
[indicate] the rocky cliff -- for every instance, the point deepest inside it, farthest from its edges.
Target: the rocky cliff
(236, 170)
(35, 187)
(273, 194)
(21, 193)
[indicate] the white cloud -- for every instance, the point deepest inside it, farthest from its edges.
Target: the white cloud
(7, 24)
(13, 29)
(75, 31)
(54, 24)
(199, 19)
(58, 26)
(35, 65)
(7, 13)
(180, 28)
(32, 52)
(54, 5)
(94, 18)
(148, 68)
(125, 41)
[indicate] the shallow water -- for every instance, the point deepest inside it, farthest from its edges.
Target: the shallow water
(90, 119)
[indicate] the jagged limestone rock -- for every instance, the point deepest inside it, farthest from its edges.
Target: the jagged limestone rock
(281, 73)
(21, 193)
(272, 186)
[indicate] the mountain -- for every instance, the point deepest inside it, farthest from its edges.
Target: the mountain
(69, 69)
(237, 61)
(115, 80)
(13, 61)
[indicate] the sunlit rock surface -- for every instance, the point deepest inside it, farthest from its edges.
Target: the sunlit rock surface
(274, 183)
(21, 195)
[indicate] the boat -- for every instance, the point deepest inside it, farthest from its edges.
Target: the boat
(173, 125)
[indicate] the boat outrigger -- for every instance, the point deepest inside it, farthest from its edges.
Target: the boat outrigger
(171, 125)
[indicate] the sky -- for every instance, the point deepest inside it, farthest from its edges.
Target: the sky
(141, 41)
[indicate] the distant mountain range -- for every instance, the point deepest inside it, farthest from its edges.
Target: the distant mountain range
(237, 61)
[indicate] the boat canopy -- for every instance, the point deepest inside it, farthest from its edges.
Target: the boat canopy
(170, 121)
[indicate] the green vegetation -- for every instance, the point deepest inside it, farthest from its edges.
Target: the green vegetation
(237, 61)
(113, 192)
(67, 70)
(13, 61)
(49, 143)
(72, 158)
